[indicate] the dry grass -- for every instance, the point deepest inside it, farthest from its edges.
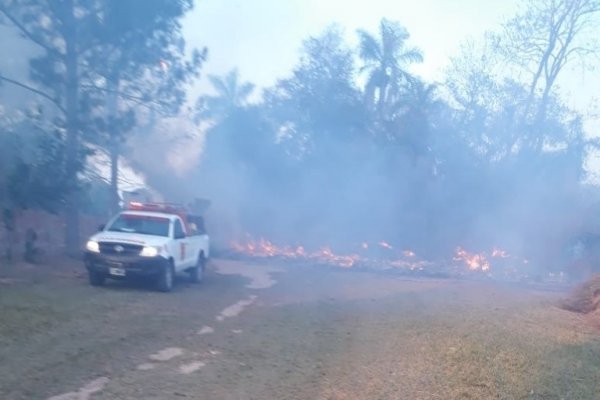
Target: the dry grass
(316, 334)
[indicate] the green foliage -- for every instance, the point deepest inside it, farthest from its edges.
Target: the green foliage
(95, 198)
(231, 94)
(139, 63)
(99, 62)
(385, 59)
(140, 69)
(431, 166)
(35, 174)
(320, 104)
(41, 182)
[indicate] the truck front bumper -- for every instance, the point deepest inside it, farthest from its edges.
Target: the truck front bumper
(124, 266)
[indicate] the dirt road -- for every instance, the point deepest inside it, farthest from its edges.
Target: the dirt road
(253, 331)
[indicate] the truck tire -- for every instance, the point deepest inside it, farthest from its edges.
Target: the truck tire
(197, 273)
(166, 278)
(96, 278)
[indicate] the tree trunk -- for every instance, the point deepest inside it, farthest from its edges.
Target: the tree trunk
(114, 176)
(72, 145)
(112, 108)
(540, 118)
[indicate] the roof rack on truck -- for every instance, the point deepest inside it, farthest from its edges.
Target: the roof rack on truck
(193, 221)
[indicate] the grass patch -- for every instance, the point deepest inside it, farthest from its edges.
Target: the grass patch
(426, 345)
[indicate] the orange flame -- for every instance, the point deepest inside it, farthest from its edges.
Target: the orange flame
(264, 249)
(406, 259)
(474, 262)
(499, 253)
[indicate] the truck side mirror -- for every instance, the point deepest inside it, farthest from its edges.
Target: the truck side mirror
(179, 235)
(101, 227)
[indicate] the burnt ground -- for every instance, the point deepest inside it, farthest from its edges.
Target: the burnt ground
(256, 331)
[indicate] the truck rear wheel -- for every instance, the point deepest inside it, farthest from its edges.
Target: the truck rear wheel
(197, 273)
(166, 278)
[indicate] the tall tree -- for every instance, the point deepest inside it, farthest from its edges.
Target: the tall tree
(32, 166)
(144, 65)
(61, 31)
(414, 115)
(231, 94)
(385, 60)
(544, 38)
(319, 105)
(471, 77)
(91, 48)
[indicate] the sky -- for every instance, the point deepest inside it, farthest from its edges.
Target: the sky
(262, 38)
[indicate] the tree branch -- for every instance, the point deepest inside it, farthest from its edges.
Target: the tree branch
(126, 96)
(25, 32)
(34, 90)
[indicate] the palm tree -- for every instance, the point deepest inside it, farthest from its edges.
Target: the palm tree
(385, 58)
(231, 94)
(413, 113)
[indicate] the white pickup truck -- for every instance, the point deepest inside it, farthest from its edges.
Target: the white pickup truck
(154, 240)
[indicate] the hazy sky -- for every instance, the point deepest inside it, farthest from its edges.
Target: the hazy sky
(262, 37)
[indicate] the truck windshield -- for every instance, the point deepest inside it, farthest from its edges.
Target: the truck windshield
(142, 224)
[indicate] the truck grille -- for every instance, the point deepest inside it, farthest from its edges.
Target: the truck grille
(120, 249)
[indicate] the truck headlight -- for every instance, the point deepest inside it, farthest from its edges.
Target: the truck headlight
(149, 251)
(92, 246)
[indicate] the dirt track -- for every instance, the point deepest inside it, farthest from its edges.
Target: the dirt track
(269, 332)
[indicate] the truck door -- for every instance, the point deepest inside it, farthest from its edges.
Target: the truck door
(182, 251)
(196, 231)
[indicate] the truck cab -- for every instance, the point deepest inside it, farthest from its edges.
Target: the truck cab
(152, 240)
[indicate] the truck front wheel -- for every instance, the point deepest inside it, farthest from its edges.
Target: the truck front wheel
(96, 278)
(166, 278)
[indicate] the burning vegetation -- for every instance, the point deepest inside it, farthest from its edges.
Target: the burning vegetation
(474, 262)
(328, 152)
(263, 248)
(477, 175)
(385, 256)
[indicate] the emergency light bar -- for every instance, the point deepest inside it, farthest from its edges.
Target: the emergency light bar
(159, 207)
